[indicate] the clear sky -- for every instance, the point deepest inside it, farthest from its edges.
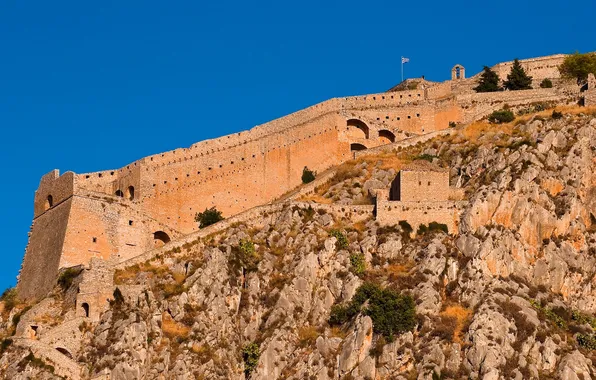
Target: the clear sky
(87, 86)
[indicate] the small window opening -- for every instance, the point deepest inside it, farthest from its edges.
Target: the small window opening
(95, 240)
(49, 202)
(130, 222)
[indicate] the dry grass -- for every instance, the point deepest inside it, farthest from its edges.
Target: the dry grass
(337, 332)
(125, 276)
(307, 336)
(317, 198)
(172, 328)
(462, 316)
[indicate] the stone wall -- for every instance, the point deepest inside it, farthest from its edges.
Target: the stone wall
(417, 186)
(416, 213)
(235, 173)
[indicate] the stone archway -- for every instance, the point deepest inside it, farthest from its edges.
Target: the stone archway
(458, 72)
(386, 137)
(130, 193)
(85, 307)
(354, 147)
(357, 129)
(160, 238)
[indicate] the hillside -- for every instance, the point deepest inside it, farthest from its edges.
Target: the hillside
(306, 292)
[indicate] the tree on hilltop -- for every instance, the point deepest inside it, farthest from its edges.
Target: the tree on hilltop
(489, 81)
(578, 66)
(517, 79)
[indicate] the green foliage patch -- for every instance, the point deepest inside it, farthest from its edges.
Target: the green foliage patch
(208, 217)
(391, 313)
(546, 83)
(250, 356)
(578, 66)
(308, 175)
(342, 241)
(501, 116)
(67, 277)
(358, 263)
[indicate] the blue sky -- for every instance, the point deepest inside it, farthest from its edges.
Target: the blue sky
(87, 86)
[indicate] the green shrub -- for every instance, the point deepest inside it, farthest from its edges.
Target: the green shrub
(391, 312)
(557, 115)
(434, 226)
(67, 277)
(358, 263)
(426, 157)
(245, 256)
(586, 341)
(502, 116)
(247, 247)
(405, 226)
(342, 241)
(489, 81)
(546, 83)
(250, 355)
(308, 175)
(10, 299)
(208, 217)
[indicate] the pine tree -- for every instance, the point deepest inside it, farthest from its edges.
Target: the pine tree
(517, 78)
(489, 81)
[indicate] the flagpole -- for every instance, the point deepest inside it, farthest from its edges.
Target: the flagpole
(402, 68)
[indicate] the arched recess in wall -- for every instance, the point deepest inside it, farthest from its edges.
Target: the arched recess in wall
(386, 136)
(355, 147)
(160, 238)
(130, 193)
(85, 307)
(64, 351)
(49, 202)
(362, 130)
(119, 193)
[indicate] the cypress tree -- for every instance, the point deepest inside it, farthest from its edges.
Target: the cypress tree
(517, 78)
(489, 81)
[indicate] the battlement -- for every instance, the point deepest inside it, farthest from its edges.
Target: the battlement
(119, 214)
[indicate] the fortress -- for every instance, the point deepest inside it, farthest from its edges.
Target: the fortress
(117, 215)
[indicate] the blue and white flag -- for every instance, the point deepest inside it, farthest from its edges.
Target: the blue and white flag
(405, 60)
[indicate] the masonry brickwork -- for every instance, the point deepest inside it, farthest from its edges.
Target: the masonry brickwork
(420, 194)
(119, 214)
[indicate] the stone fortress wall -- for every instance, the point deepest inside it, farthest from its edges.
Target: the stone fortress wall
(420, 194)
(119, 214)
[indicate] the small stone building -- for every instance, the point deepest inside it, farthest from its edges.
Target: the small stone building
(419, 194)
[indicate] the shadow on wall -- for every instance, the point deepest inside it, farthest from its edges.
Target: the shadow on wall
(357, 147)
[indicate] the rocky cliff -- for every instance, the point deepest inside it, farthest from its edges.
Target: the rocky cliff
(302, 293)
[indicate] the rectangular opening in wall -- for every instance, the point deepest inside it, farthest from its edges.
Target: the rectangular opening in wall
(130, 221)
(95, 240)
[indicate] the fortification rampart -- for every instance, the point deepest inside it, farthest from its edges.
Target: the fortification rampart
(119, 214)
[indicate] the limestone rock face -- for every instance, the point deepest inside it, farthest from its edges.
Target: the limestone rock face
(510, 297)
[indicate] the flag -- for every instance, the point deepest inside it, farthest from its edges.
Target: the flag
(405, 60)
